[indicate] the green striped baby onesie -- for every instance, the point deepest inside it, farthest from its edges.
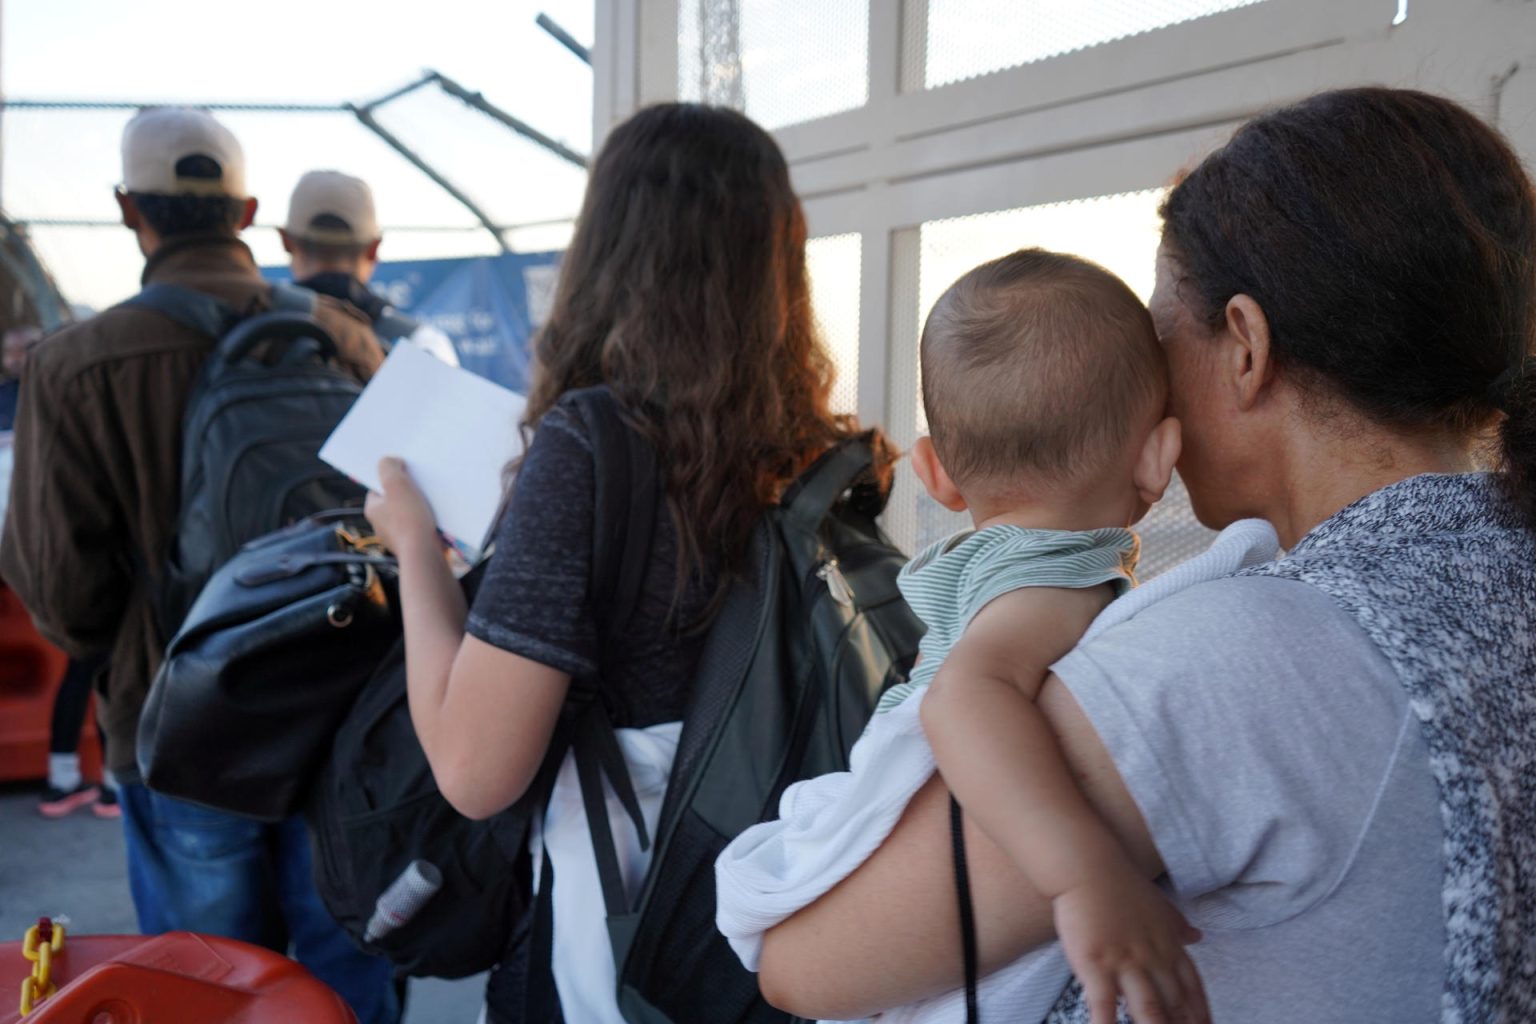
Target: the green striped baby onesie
(954, 579)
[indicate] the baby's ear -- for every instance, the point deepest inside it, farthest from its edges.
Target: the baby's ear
(925, 462)
(1159, 452)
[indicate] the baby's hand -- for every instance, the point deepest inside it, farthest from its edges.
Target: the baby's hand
(1123, 937)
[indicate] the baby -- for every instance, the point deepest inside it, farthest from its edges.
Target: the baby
(1045, 389)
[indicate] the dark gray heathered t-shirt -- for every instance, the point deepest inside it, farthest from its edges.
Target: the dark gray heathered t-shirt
(535, 598)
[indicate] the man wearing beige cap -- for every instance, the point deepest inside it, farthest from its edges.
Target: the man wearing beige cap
(332, 238)
(95, 495)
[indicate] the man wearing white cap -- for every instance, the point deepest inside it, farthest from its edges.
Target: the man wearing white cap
(332, 237)
(95, 496)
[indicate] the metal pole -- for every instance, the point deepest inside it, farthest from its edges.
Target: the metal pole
(720, 74)
(426, 79)
(258, 108)
(485, 106)
(368, 121)
(2, 110)
(563, 37)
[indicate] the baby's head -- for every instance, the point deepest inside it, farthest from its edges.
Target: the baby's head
(1044, 383)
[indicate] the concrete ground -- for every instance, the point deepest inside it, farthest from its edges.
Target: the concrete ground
(74, 867)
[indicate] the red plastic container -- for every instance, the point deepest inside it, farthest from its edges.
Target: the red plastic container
(176, 978)
(30, 672)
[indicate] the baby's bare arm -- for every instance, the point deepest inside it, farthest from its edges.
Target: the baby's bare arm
(995, 749)
(1000, 757)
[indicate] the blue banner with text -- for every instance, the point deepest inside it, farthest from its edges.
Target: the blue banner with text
(488, 305)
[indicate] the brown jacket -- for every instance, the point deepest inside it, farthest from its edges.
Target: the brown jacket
(96, 485)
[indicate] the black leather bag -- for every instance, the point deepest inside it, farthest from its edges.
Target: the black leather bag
(271, 656)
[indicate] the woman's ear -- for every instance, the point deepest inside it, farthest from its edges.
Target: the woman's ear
(1154, 467)
(1250, 360)
(925, 462)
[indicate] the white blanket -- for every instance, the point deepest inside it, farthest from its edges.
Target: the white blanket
(829, 825)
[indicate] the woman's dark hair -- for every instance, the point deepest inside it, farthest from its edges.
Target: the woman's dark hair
(684, 290)
(1390, 238)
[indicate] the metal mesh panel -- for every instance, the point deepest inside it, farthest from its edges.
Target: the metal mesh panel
(780, 61)
(834, 263)
(1120, 232)
(495, 167)
(952, 40)
(64, 165)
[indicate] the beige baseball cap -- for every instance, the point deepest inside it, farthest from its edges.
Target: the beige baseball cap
(158, 139)
(345, 203)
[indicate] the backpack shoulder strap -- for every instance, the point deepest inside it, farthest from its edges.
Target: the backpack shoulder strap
(291, 298)
(193, 309)
(625, 473)
(807, 503)
(626, 494)
(207, 315)
(391, 325)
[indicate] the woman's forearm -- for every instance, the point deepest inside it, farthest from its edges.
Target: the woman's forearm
(889, 934)
(433, 611)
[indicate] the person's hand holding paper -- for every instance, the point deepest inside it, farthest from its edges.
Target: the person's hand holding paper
(398, 512)
(454, 432)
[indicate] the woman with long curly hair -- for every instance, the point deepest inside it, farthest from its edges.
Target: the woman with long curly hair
(684, 293)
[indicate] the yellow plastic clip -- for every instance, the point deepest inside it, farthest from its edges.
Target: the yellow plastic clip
(40, 985)
(31, 994)
(43, 972)
(29, 942)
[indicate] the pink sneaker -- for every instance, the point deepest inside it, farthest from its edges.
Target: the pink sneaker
(106, 805)
(56, 803)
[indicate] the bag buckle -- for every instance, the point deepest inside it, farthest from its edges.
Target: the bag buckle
(367, 543)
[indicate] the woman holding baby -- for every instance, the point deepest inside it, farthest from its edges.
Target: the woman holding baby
(1329, 759)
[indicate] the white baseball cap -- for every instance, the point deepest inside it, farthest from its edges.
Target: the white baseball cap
(343, 205)
(158, 139)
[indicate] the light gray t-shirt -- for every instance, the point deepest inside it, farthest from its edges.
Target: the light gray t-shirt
(1285, 782)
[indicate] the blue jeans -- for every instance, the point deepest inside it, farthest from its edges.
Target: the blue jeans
(199, 870)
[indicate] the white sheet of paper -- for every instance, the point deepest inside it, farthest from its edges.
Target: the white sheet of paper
(456, 432)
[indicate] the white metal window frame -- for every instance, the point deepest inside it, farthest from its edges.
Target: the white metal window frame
(1122, 116)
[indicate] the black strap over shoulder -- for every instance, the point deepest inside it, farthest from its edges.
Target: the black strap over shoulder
(186, 306)
(205, 314)
(827, 480)
(291, 318)
(391, 325)
(291, 298)
(627, 492)
(967, 908)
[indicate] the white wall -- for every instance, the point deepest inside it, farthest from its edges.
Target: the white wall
(1114, 118)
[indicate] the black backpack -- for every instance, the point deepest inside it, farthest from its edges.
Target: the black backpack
(791, 671)
(266, 400)
(790, 674)
(376, 809)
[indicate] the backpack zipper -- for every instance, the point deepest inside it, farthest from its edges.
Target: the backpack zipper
(830, 572)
